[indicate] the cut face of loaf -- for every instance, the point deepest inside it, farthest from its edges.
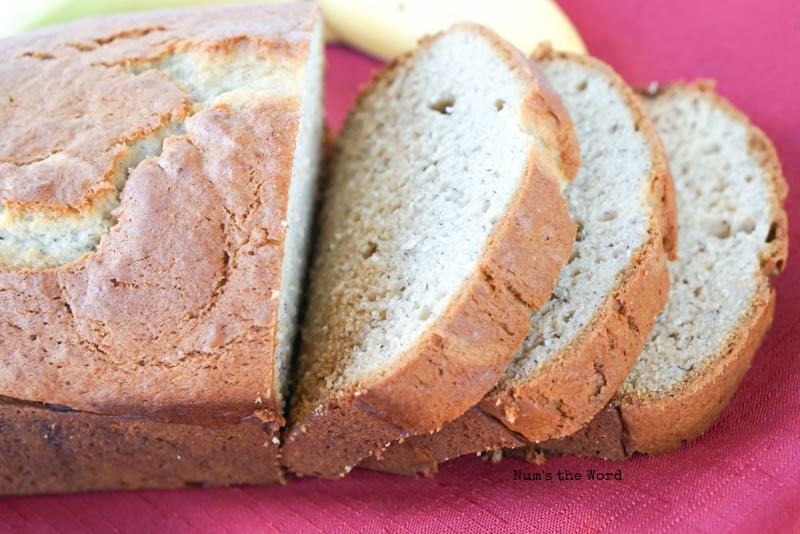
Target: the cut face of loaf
(157, 174)
(442, 225)
(585, 340)
(733, 240)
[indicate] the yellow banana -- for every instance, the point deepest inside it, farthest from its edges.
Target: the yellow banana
(386, 28)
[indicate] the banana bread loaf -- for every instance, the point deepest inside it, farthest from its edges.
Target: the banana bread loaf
(157, 174)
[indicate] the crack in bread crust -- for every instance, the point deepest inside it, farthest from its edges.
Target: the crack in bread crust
(47, 226)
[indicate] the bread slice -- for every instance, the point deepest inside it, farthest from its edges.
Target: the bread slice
(157, 175)
(733, 241)
(585, 341)
(442, 226)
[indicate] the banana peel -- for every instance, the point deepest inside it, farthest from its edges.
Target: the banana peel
(387, 28)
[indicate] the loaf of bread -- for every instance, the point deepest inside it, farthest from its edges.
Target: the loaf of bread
(586, 339)
(157, 174)
(733, 241)
(442, 225)
(157, 185)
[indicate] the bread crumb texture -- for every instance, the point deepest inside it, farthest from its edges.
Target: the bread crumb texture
(612, 288)
(729, 196)
(402, 230)
(610, 202)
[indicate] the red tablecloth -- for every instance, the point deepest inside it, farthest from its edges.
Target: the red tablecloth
(745, 472)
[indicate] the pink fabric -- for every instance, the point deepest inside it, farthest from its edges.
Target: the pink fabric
(743, 474)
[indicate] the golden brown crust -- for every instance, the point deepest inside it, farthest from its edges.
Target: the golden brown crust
(562, 139)
(182, 315)
(569, 389)
(462, 354)
(629, 424)
(64, 164)
(573, 386)
(659, 424)
(169, 324)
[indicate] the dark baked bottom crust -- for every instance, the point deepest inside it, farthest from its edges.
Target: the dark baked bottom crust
(474, 431)
(50, 451)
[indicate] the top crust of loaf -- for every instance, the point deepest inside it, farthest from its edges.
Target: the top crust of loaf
(168, 313)
(639, 419)
(462, 353)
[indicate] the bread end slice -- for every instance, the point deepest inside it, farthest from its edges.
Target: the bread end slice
(678, 390)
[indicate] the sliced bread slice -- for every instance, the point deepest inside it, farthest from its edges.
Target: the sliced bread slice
(733, 242)
(442, 225)
(585, 340)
